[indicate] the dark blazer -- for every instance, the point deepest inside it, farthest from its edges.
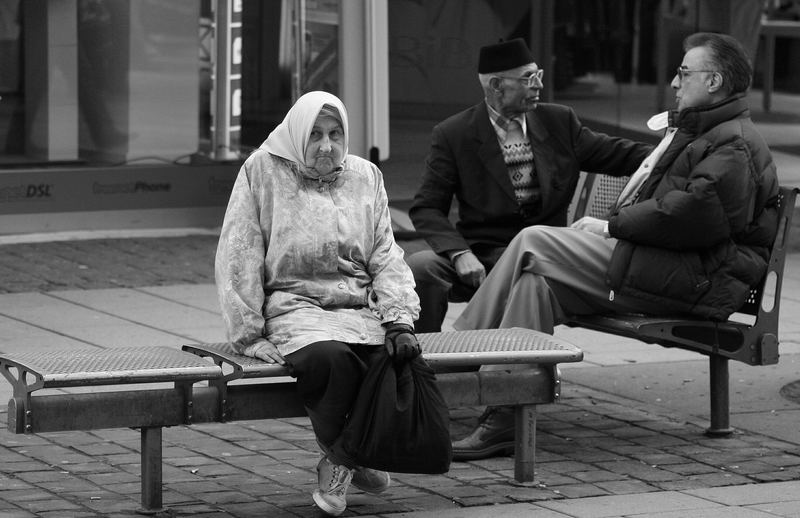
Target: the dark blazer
(466, 161)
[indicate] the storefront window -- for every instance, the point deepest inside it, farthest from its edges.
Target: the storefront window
(290, 47)
(116, 82)
(99, 81)
(11, 141)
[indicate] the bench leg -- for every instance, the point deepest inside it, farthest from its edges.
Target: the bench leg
(720, 405)
(151, 471)
(524, 442)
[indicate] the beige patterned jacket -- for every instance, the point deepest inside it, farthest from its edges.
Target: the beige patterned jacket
(300, 260)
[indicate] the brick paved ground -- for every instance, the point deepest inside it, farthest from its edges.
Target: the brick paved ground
(589, 444)
(107, 263)
(592, 443)
(113, 263)
(135, 262)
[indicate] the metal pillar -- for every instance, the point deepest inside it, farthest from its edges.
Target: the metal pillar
(720, 404)
(152, 502)
(227, 79)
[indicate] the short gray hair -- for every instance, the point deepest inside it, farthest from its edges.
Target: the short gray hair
(728, 55)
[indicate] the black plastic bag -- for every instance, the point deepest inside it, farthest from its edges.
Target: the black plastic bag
(399, 421)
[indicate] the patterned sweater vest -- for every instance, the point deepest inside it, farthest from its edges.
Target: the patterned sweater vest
(518, 156)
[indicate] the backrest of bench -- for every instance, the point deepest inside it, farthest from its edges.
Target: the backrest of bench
(764, 300)
(596, 193)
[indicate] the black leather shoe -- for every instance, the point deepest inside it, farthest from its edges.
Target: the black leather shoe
(493, 436)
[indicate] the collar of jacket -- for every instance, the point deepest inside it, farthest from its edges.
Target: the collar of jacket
(699, 119)
(307, 173)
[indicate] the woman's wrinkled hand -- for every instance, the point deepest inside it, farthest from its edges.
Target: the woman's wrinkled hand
(265, 350)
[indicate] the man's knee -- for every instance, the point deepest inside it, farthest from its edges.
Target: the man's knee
(539, 238)
(532, 234)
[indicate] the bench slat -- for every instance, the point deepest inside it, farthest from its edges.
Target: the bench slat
(123, 365)
(451, 348)
(496, 346)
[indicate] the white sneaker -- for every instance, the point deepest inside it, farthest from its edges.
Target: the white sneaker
(371, 480)
(334, 479)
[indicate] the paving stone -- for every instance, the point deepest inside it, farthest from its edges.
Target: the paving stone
(784, 459)
(121, 458)
(26, 466)
(464, 491)
(68, 485)
(750, 467)
(50, 475)
(225, 471)
(659, 441)
(527, 494)
(638, 470)
(117, 505)
(595, 476)
(680, 484)
(50, 504)
(190, 461)
(224, 497)
(657, 458)
(691, 468)
(785, 509)
(70, 514)
(476, 500)
(632, 433)
(580, 490)
(96, 449)
(776, 476)
(429, 502)
(567, 467)
(591, 455)
(112, 478)
(690, 450)
(625, 487)
(610, 506)
(627, 449)
(721, 479)
(751, 493)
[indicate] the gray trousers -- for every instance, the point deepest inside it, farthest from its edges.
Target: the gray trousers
(545, 274)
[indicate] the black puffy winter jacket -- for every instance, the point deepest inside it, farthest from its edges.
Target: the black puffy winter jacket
(698, 236)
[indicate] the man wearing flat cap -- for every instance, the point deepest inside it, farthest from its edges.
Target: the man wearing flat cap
(510, 162)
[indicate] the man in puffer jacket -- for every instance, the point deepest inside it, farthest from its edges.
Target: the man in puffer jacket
(689, 234)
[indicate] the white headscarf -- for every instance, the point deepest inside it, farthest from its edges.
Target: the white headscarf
(290, 138)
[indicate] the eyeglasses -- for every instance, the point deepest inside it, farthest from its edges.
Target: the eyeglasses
(682, 72)
(529, 81)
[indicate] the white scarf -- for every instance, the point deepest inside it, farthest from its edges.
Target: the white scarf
(289, 139)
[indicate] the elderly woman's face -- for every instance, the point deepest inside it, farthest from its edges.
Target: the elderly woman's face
(325, 148)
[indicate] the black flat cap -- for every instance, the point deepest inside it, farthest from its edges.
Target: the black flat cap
(504, 56)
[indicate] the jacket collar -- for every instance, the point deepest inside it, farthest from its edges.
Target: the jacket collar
(699, 119)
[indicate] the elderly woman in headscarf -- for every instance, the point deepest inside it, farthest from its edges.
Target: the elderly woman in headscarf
(309, 275)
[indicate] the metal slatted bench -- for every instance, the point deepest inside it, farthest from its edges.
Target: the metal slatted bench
(208, 386)
(749, 336)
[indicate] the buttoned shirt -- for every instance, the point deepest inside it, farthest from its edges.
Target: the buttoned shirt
(500, 124)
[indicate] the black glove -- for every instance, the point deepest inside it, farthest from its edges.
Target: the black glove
(401, 343)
